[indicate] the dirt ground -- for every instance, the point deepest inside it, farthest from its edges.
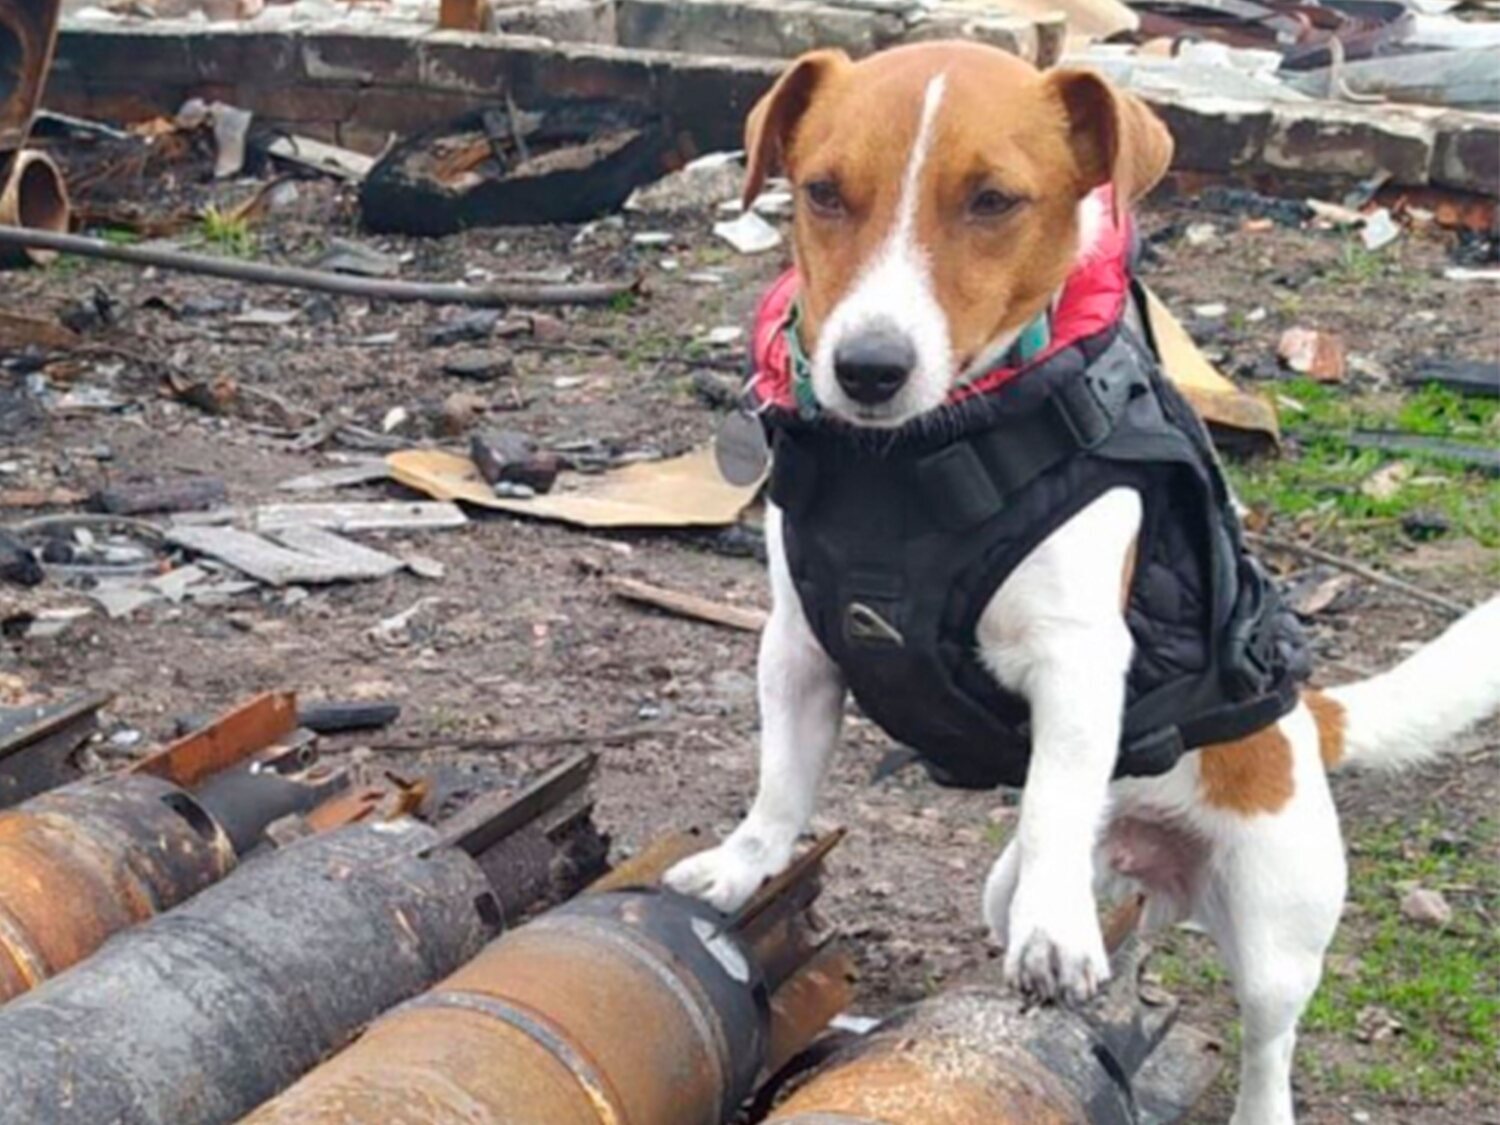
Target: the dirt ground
(521, 635)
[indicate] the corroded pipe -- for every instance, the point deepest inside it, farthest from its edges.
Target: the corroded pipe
(96, 856)
(981, 1056)
(200, 1014)
(87, 860)
(627, 1007)
(196, 1016)
(33, 196)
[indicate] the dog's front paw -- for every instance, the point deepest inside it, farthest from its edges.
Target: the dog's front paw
(725, 877)
(1056, 949)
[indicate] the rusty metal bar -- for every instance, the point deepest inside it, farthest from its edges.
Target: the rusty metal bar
(626, 1007)
(196, 1016)
(230, 739)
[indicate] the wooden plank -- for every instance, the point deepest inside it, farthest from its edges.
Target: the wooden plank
(374, 515)
(336, 560)
(689, 605)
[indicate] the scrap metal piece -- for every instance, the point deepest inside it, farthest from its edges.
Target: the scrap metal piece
(626, 1007)
(229, 740)
(37, 745)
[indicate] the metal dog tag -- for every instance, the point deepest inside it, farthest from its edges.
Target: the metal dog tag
(741, 449)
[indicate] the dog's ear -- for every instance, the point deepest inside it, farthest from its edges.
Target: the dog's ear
(1114, 136)
(770, 124)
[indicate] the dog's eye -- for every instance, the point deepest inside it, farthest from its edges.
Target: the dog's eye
(824, 197)
(990, 203)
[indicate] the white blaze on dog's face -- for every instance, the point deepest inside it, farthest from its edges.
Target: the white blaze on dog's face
(939, 189)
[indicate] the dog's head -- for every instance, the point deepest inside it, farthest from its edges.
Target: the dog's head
(940, 191)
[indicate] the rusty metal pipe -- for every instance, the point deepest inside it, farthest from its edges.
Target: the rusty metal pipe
(87, 860)
(626, 1007)
(981, 1056)
(34, 197)
(198, 1015)
(91, 858)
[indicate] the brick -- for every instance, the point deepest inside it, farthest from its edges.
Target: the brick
(1467, 154)
(1321, 139)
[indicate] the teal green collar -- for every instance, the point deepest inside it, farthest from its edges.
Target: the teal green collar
(1031, 343)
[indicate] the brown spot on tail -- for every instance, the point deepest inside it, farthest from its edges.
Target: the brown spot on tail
(1253, 775)
(1329, 715)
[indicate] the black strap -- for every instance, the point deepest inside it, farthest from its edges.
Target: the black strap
(968, 481)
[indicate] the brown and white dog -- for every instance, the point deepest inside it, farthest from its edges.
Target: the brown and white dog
(942, 200)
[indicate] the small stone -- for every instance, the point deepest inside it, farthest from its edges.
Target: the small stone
(1200, 234)
(469, 328)
(511, 457)
(1384, 483)
(1424, 525)
(1308, 351)
(1212, 311)
(460, 411)
(482, 365)
(650, 238)
(513, 490)
(1427, 907)
(547, 329)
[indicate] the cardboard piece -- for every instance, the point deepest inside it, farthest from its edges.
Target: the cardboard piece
(684, 491)
(1247, 418)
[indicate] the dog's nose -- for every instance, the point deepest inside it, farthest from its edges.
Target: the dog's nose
(872, 365)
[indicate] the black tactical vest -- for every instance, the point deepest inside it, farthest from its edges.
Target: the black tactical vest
(897, 542)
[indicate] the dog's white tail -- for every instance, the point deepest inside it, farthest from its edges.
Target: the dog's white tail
(1410, 714)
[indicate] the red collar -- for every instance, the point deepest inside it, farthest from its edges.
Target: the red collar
(1091, 301)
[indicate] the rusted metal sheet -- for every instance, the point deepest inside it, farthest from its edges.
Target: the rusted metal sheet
(627, 1007)
(37, 745)
(229, 740)
(87, 860)
(28, 35)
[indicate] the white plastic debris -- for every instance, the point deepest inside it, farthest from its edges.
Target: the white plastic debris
(749, 234)
(1380, 230)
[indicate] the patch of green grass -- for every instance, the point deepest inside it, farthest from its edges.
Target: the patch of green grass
(1440, 984)
(227, 233)
(1326, 475)
(118, 236)
(622, 302)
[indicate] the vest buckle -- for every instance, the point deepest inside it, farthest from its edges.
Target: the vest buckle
(1083, 411)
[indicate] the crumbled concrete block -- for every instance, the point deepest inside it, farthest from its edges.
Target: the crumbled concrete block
(562, 21)
(1467, 154)
(752, 27)
(1321, 139)
(1214, 134)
